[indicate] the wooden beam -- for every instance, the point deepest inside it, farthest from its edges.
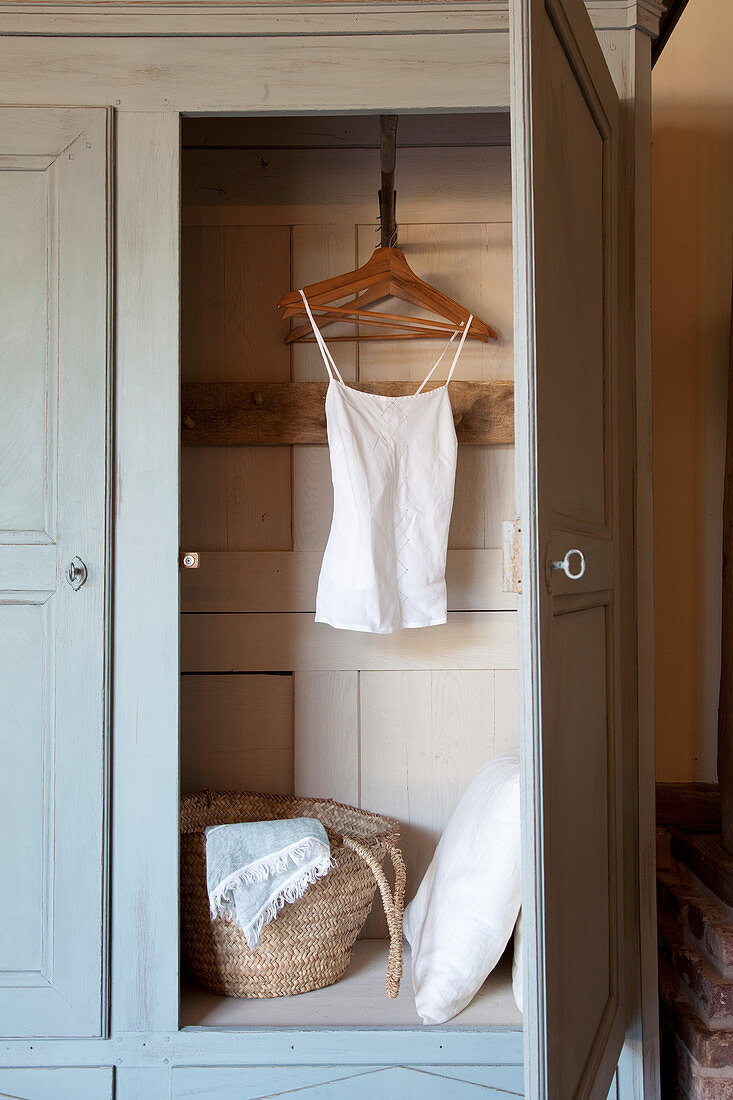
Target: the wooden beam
(230, 414)
(691, 805)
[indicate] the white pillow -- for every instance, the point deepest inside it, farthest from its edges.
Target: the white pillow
(518, 965)
(464, 912)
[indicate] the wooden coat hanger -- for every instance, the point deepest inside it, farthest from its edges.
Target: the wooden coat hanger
(386, 274)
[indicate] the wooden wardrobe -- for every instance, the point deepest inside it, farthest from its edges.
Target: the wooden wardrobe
(169, 170)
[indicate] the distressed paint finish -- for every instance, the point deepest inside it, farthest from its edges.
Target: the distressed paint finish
(566, 132)
(54, 363)
(102, 71)
(56, 1084)
(145, 764)
(358, 1082)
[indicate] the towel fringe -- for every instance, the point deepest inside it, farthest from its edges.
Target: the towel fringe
(222, 901)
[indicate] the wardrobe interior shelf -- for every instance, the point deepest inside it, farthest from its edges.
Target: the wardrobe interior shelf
(357, 1000)
(226, 414)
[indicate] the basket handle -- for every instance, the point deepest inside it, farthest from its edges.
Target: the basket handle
(393, 905)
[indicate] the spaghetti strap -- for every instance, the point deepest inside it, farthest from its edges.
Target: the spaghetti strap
(432, 370)
(333, 371)
(435, 365)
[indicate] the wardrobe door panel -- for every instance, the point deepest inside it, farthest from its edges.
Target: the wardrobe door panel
(566, 131)
(54, 304)
(357, 1082)
(56, 1084)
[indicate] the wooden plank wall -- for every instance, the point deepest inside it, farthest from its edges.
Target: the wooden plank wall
(395, 726)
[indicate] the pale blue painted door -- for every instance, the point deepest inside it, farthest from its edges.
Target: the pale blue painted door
(573, 479)
(56, 1084)
(54, 347)
(354, 1082)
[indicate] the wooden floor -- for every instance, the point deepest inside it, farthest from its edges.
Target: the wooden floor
(358, 999)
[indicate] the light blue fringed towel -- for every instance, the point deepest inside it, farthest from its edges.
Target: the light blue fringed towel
(254, 868)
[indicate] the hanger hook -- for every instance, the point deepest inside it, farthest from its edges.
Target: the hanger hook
(387, 194)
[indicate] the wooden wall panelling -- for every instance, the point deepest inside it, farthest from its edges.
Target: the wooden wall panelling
(203, 291)
(469, 261)
(246, 187)
(231, 331)
(342, 131)
(286, 581)
(484, 496)
(326, 709)
(318, 251)
(203, 477)
(429, 701)
(237, 733)
(236, 498)
(506, 711)
(259, 498)
(473, 263)
(203, 498)
(423, 736)
(230, 328)
(312, 498)
(264, 643)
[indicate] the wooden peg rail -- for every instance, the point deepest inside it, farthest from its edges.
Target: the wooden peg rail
(231, 414)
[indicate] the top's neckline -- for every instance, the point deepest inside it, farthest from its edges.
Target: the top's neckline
(386, 396)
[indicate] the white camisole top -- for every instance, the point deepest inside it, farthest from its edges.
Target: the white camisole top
(393, 467)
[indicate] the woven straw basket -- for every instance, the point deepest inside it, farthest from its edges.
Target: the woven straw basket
(309, 945)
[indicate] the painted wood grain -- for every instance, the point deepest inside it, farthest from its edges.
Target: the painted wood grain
(359, 1082)
(57, 1084)
(249, 187)
(469, 259)
(423, 737)
(506, 709)
(484, 496)
(235, 19)
(205, 73)
(204, 499)
(24, 290)
(286, 581)
(326, 726)
(146, 704)
(339, 131)
(312, 498)
(237, 733)
(570, 664)
(231, 331)
(258, 498)
(24, 651)
(264, 643)
(317, 250)
(55, 301)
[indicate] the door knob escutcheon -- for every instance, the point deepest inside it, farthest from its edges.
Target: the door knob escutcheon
(76, 573)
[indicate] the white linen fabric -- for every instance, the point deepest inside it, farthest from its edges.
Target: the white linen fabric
(393, 467)
(464, 912)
